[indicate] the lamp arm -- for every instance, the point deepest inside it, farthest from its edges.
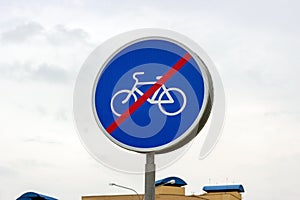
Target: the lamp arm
(121, 186)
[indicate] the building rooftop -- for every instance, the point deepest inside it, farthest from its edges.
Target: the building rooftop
(166, 181)
(33, 195)
(224, 188)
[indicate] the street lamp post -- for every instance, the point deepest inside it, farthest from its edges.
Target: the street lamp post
(131, 189)
(127, 188)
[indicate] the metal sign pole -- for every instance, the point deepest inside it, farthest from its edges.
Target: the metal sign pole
(150, 177)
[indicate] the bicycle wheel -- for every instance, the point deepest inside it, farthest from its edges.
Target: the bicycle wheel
(176, 97)
(117, 104)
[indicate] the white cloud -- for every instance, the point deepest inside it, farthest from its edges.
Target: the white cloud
(42, 72)
(22, 32)
(62, 35)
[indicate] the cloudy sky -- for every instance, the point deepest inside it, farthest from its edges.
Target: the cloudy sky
(254, 44)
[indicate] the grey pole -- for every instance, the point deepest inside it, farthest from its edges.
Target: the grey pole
(150, 177)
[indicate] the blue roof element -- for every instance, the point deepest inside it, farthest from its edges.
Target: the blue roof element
(224, 188)
(33, 195)
(178, 182)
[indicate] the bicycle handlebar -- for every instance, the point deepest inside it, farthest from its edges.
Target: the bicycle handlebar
(137, 73)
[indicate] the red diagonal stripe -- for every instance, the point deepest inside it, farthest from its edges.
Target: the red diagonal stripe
(180, 63)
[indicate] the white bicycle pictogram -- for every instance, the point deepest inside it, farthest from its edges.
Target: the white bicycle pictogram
(153, 99)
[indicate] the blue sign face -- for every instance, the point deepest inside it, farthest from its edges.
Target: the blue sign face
(149, 94)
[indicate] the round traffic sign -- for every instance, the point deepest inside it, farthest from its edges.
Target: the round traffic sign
(152, 94)
(147, 90)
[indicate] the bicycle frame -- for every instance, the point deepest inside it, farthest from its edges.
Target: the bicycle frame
(153, 99)
(156, 98)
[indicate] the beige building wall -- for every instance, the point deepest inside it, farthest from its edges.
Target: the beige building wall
(222, 196)
(173, 193)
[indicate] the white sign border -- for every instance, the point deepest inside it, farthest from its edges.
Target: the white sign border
(95, 63)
